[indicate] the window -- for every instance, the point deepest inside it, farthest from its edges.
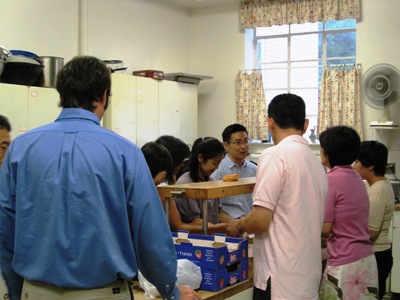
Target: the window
(291, 57)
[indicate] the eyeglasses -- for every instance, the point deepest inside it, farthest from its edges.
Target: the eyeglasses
(240, 142)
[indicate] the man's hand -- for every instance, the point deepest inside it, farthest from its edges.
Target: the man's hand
(234, 228)
(188, 293)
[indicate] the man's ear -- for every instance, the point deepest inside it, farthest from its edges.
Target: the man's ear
(226, 146)
(271, 124)
(306, 122)
(104, 98)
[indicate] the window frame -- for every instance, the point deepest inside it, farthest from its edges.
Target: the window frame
(319, 62)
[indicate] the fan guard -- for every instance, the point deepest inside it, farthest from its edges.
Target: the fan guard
(381, 86)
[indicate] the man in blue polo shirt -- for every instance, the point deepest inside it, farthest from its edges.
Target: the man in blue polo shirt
(236, 143)
(79, 212)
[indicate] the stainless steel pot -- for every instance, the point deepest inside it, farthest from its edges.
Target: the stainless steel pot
(4, 54)
(52, 65)
(2, 64)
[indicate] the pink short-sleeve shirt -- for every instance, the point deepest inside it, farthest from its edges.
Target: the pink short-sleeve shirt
(292, 183)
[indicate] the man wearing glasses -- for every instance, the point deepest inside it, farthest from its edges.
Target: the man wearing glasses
(236, 143)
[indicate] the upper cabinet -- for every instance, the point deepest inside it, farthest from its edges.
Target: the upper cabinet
(141, 109)
(170, 108)
(178, 110)
(28, 107)
(189, 112)
(14, 105)
(43, 106)
(147, 110)
(120, 115)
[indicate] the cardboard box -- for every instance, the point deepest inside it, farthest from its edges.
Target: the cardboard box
(223, 260)
(208, 253)
(216, 280)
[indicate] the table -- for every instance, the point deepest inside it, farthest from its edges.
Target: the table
(205, 191)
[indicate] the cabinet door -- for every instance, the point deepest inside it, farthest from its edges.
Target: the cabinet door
(14, 106)
(120, 115)
(188, 113)
(169, 108)
(147, 110)
(395, 274)
(43, 106)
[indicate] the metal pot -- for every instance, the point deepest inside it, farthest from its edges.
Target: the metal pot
(52, 65)
(4, 54)
(115, 66)
(22, 73)
(2, 64)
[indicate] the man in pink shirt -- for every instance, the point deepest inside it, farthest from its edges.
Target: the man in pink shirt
(288, 208)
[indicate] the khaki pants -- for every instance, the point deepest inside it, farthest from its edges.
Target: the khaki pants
(119, 290)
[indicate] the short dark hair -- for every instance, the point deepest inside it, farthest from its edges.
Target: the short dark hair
(81, 81)
(231, 129)
(373, 153)
(158, 158)
(4, 123)
(209, 148)
(179, 151)
(288, 111)
(340, 144)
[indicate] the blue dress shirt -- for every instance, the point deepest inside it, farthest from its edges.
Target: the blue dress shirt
(240, 205)
(79, 209)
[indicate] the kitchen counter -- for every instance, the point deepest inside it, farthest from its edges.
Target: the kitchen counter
(204, 191)
(208, 189)
(397, 207)
(207, 295)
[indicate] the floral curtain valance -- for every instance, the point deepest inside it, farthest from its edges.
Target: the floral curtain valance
(266, 13)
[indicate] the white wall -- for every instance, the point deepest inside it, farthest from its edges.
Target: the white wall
(378, 42)
(45, 27)
(216, 48)
(145, 34)
(148, 34)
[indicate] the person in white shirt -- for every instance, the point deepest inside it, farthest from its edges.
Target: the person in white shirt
(371, 165)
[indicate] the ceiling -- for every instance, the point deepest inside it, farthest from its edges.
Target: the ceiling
(192, 4)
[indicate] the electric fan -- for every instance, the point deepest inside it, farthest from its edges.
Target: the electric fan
(380, 89)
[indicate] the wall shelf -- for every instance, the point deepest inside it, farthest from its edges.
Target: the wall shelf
(383, 128)
(385, 134)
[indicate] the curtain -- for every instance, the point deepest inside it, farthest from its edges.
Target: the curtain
(266, 13)
(251, 110)
(339, 99)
